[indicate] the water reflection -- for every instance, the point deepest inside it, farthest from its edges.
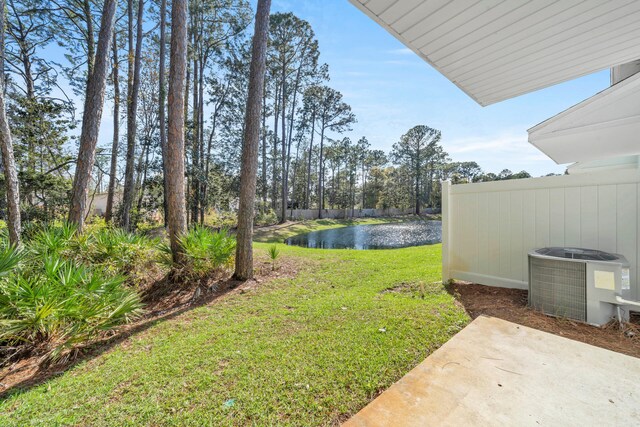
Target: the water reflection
(376, 236)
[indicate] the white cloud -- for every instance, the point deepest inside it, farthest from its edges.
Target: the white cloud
(510, 150)
(502, 143)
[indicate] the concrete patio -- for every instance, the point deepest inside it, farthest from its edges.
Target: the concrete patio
(496, 373)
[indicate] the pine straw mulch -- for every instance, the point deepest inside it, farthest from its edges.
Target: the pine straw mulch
(164, 298)
(511, 305)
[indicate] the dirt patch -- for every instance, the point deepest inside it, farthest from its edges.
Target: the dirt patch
(163, 300)
(415, 289)
(511, 305)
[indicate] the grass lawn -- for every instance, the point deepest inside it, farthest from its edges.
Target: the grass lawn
(307, 350)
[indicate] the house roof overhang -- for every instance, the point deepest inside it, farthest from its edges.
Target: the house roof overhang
(604, 126)
(498, 49)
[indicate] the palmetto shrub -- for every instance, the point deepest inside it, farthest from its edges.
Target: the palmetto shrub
(274, 254)
(56, 304)
(206, 251)
(52, 240)
(63, 289)
(111, 249)
(117, 251)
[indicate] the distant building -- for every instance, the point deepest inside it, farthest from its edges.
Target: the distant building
(97, 203)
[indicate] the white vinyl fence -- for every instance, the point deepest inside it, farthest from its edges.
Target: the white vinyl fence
(300, 214)
(488, 228)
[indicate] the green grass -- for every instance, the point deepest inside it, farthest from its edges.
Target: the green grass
(310, 350)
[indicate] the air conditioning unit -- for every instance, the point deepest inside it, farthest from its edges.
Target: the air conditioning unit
(581, 284)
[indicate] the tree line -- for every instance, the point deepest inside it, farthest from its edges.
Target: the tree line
(176, 146)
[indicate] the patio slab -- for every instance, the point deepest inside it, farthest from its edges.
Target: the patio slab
(496, 373)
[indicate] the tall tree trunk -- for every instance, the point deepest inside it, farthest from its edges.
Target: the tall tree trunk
(274, 160)
(313, 131)
(132, 110)
(28, 75)
(364, 185)
(417, 184)
(91, 53)
(116, 133)
(429, 185)
(25, 57)
(376, 194)
(336, 191)
(162, 100)
(283, 160)
(293, 179)
(195, 137)
(92, 114)
(174, 160)
(207, 164)
(249, 167)
(296, 87)
(265, 187)
(6, 146)
(187, 94)
(201, 169)
(143, 175)
(351, 196)
(321, 174)
(286, 171)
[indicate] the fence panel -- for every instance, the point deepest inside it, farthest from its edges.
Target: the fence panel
(307, 214)
(488, 228)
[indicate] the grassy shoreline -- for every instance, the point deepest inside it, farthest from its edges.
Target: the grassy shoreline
(305, 350)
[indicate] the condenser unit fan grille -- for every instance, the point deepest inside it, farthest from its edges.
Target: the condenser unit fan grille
(558, 288)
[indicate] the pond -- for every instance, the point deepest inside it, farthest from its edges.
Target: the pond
(374, 236)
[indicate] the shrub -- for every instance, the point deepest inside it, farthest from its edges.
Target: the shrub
(117, 251)
(274, 254)
(266, 217)
(149, 226)
(113, 250)
(94, 224)
(65, 288)
(221, 219)
(206, 251)
(9, 258)
(52, 240)
(56, 304)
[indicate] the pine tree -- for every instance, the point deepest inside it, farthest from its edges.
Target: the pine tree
(249, 168)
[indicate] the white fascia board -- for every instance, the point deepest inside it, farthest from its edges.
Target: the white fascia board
(604, 96)
(594, 142)
(603, 126)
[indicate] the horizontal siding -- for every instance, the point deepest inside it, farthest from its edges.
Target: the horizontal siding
(492, 230)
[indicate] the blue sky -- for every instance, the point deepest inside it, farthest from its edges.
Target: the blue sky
(390, 90)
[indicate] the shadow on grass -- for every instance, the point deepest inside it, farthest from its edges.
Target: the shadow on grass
(192, 297)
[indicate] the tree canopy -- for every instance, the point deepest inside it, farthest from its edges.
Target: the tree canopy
(115, 59)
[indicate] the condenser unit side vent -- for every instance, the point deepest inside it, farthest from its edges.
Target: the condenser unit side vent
(558, 288)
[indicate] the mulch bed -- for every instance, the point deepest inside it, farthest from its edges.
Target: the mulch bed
(511, 305)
